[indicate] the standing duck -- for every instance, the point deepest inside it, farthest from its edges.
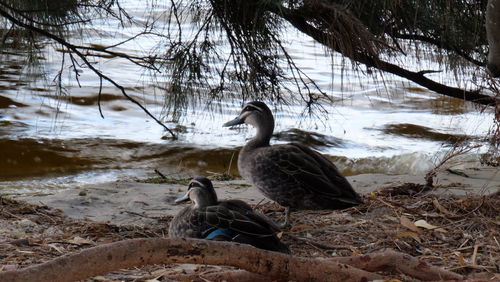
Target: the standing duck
(228, 220)
(292, 174)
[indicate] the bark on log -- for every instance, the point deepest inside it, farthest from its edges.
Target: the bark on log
(233, 275)
(402, 262)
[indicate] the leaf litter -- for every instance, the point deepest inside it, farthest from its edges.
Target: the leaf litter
(461, 234)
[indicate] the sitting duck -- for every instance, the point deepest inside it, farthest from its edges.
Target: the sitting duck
(226, 220)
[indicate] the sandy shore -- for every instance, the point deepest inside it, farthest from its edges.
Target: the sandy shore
(465, 242)
(134, 203)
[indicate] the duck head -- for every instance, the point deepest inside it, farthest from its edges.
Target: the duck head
(255, 113)
(201, 192)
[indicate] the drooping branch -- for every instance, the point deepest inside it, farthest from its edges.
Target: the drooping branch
(256, 52)
(137, 252)
(299, 21)
(76, 50)
(438, 44)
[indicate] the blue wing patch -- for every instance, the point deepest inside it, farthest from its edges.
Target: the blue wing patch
(220, 233)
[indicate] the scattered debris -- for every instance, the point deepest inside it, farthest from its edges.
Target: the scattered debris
(461, 234)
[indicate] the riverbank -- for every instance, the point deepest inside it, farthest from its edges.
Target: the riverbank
(138, 203)
(441, 227)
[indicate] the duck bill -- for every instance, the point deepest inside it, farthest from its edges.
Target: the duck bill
(233, 122)
(182, 199)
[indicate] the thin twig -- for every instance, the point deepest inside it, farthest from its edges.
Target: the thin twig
(83, 57)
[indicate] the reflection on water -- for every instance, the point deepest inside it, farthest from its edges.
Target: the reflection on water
(386, 126)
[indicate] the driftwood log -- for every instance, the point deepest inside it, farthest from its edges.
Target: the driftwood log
(136, 252)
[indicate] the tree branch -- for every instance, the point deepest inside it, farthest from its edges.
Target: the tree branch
(301, 23)
(74, 49)
(441, 45)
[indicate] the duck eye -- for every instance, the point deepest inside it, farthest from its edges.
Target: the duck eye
(248, 108)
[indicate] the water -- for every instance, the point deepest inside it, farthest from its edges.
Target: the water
(49, 140)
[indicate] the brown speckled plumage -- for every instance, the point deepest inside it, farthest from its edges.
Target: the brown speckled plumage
(233, 220)
(292, 174)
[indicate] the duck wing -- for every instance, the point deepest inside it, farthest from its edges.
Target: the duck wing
(246, 210)
(315, 173)
(187, 224)
(237, 205)
(219, 216)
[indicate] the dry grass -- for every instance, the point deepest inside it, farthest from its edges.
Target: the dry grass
(465, 238)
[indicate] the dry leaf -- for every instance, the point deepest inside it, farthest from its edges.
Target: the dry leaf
(408, 224)
(58, 249)
(424, 224)
(160, 272)
(460, 257)
(303, 226)
(355, 251)
(410, 235)
(474, 255)
(81, 241)
(440, 207)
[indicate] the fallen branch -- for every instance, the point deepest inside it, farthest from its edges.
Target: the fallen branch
(136, 252)
(401, 262)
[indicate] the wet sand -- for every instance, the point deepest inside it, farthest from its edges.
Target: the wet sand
(135, 203)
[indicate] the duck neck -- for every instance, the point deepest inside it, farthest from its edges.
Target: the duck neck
(262, 137)
(202, 202)
(204, 199)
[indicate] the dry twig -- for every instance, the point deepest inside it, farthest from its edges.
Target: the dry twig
(457, 150)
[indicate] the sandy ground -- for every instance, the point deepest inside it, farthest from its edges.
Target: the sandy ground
(69, 220)
(135, 203)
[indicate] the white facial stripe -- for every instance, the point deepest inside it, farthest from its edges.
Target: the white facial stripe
(245, 114)
(255, 107)
(197, 182)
